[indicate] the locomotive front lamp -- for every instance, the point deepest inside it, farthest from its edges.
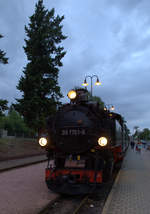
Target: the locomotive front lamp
(85, 83)
(98, 82)
(43, 141)
(102, 141)
(72, 94)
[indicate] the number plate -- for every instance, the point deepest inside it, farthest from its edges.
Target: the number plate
(75, 132)
(75, 163)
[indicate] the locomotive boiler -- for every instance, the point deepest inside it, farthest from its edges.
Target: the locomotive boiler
(85, 142)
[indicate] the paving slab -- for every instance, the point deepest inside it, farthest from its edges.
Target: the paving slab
(131, 191)
(24, 191)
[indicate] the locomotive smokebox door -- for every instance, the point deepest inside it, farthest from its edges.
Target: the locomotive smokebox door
(73, 134)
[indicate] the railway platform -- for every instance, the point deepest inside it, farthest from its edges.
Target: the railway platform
(20, 162)
(130, 193)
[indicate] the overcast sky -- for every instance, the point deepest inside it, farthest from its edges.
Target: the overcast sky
(108, 38)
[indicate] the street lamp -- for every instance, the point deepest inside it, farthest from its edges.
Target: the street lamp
(91, 78)
(109, 107)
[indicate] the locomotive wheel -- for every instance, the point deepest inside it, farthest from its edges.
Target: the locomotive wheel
(108, 170)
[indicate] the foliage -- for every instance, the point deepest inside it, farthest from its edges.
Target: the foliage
(2, 122)
(39, 84)
(3, 103)
(3, 59)
(136, 133)
(3, 106)
(99, 100)
(136, 128)
(144, 134)
(93, 98)
(128, 131)
(14, 124)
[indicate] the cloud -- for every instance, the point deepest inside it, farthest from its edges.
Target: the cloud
(125, 5)
(107, 38)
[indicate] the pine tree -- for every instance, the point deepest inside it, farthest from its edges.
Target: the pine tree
(39, 84)
(3, 60)
(3, 106)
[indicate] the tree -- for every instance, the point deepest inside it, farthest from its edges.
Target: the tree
(145, 134)
(14, 124)
(136, 134)
(3, 106)
(39, 84)
(93, 98)
(3, 59)
(99, 100)
(3, 103)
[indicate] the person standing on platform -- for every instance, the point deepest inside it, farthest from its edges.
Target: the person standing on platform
(132, 144)
(138, 147)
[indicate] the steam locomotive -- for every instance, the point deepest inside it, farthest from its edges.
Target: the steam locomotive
(84, 142)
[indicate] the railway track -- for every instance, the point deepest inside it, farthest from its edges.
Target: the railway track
(89, 204)
(65, 205)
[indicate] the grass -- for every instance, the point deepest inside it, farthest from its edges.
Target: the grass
(19, 147)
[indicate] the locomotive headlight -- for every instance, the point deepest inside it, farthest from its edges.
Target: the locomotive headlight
(72, 94)
(102, 141)
(43, 141)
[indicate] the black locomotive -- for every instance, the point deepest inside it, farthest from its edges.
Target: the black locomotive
(85, 142)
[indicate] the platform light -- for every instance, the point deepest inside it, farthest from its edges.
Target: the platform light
(112, 108)
(102, 141)
(109, 107)
(98, 82)
(85, 83)
(91, 78)
(72, 94)
(43, 141)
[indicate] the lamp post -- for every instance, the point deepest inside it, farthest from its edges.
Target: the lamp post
(91, 78)
(109, 107)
